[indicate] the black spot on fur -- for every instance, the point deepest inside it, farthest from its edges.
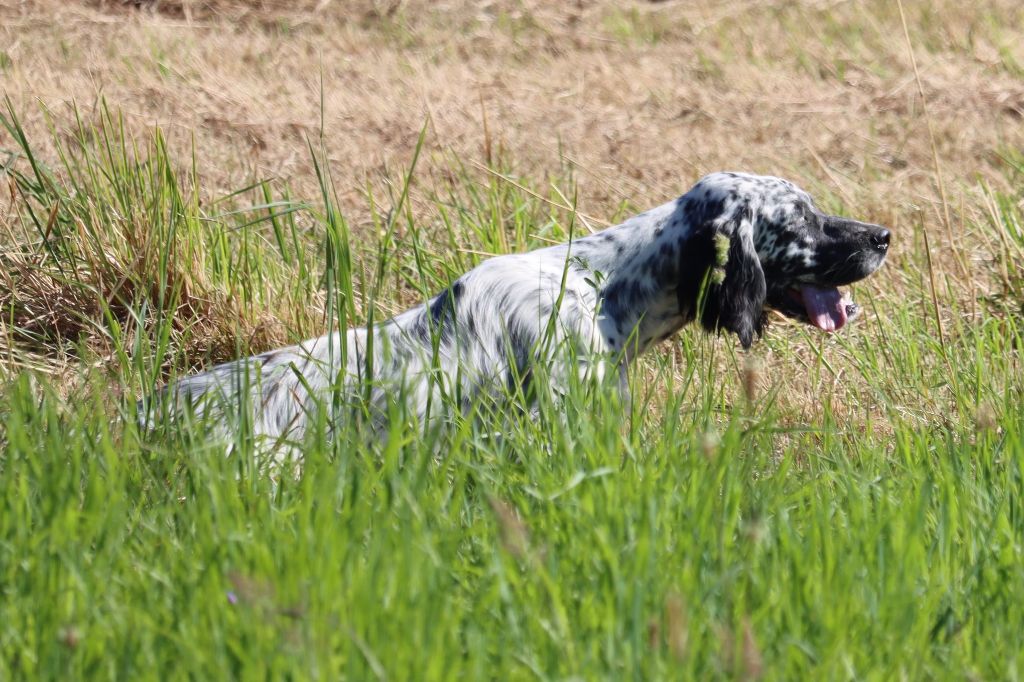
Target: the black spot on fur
(704, 210)
(439, 318)
(636, 293)
(268, 358)
(664, 267)
(271, 390)
(695, 265)
(517, 347)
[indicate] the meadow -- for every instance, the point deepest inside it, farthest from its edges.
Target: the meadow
(185, 182)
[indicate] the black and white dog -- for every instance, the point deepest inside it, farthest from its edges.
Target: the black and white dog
(724, 253)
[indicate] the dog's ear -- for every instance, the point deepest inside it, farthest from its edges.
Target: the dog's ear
(722, 281)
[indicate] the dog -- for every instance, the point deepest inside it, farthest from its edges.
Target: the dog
(725, 253)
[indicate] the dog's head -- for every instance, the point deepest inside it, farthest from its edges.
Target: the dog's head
(759, 242)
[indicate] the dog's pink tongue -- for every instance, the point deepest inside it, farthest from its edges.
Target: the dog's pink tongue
(825, 307)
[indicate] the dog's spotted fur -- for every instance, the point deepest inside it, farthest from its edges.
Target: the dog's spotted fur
(726, 251)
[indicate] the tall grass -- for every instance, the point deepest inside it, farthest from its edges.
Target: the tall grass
(829, 508)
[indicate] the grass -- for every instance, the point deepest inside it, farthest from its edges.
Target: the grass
(707, 530)
(823, 507)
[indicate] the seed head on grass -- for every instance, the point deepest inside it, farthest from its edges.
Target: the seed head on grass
(709, 444)
(673, 625)
(751, 377)
(756, 528)
(654, 633)
(248, 590)
(70, 636)
(753, 661)
(676, 626)
(512, 532)
(721, 258)
(741, 660)
(985, 419)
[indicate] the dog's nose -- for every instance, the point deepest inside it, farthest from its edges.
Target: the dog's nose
(880, 240)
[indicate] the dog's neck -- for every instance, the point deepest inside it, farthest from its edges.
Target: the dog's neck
(636, 266)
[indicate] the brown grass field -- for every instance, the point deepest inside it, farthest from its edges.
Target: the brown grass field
(640, 97)
(631, 101)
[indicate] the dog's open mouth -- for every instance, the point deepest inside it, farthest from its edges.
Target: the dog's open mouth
(828, 309)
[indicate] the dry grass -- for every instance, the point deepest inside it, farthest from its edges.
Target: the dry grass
(634, 101)
(53, 311)
(641, 98)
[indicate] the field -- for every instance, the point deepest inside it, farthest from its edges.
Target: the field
(184, 182)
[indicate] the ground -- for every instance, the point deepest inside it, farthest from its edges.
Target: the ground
(192, 180)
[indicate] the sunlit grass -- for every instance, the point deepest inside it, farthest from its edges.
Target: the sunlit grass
(829, 507)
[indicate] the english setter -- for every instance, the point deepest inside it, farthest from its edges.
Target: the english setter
(724, 253)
